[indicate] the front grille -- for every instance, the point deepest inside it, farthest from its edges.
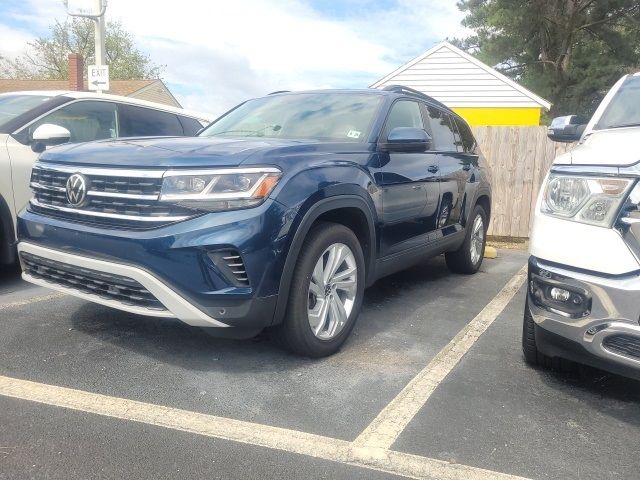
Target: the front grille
(626, 345)
(105, 285)
(121, 199)
(131, 186)
(47, 175)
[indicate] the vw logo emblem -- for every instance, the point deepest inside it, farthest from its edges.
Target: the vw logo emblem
(76, 189)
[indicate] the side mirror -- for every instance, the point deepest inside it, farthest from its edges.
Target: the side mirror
(407, 139)
(47, 135)
(566, 129)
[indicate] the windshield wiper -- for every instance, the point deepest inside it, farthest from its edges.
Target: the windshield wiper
(623, 125)
(251, 133)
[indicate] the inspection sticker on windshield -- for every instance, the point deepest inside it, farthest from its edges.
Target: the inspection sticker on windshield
(353, 134)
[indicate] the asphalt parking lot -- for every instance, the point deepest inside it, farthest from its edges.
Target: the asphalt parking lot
(430, 385)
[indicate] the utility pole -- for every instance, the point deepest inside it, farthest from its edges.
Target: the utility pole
(97, 15)
(99, 33)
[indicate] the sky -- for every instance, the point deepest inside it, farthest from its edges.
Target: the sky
(219, 53)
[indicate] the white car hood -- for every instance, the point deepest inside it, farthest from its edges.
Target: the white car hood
(616, 147)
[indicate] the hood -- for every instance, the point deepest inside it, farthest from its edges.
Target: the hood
(618, 147)
(164, 151)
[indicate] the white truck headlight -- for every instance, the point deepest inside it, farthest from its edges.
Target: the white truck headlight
(220, 189)
(591, 200)
(564, 195)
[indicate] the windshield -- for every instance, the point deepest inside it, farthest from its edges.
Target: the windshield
(13, 105)
(340, 117)
(624, 108)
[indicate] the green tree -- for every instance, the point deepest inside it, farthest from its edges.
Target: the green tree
(568, 51)
(47, 57)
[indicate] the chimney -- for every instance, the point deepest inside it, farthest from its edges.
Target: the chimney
(76, 72)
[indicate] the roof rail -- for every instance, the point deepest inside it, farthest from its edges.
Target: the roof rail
(279, 91)
(416, 93)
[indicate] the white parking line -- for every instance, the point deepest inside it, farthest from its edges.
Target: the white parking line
(389, 424)
(293, 441)
(370, 450)
(20, 303)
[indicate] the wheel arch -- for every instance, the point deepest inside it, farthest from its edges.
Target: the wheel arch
(354, 212)
(484, 200)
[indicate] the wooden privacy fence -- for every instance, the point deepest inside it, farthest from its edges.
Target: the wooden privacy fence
(519, 158)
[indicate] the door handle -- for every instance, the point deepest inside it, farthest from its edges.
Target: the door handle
(433, 168)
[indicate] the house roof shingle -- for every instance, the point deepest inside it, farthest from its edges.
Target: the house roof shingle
(117, 87)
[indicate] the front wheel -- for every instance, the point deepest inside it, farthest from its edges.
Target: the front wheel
(326, 292)
(530, 351)
(468, 258)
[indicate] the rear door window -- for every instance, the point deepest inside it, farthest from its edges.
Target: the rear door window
(445, 135)
(147, 122)
(468, 142)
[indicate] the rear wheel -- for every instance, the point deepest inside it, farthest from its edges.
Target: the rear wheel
(468, 258)
(326, 292)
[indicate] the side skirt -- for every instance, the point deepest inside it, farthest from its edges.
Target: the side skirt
(410, 257)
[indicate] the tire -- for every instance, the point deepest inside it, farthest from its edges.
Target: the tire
(304, 330)
(530, 351)
(8, 251)
(464, 260)
(529, 348)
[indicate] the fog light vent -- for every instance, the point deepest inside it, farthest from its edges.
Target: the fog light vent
(556, 296)
(231, 266)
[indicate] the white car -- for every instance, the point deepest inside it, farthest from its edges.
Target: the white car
(32, 121)
(583, 301)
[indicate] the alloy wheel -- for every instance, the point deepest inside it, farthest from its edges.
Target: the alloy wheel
(477, 239)
(332, 291)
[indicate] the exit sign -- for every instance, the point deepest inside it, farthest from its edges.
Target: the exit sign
(98, 77)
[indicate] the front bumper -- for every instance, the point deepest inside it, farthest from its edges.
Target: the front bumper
(175, 306)
(178, 265)
(604, 332)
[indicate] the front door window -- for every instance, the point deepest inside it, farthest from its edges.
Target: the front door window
(85, 120)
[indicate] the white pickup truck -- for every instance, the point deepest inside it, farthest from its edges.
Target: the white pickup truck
(583, 302)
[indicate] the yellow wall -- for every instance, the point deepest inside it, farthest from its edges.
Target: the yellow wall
(500, 116)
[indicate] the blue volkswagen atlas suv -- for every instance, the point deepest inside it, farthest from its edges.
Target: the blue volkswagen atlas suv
(278, 214)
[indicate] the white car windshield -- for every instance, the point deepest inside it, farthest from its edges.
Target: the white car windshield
(13, 105)
(624, 108)
(338, 117)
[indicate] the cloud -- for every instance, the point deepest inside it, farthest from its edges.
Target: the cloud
(31, 16)
(13, 41)
(220, 53)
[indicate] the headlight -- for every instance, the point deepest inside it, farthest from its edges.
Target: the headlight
(589, 200)
(222, 189)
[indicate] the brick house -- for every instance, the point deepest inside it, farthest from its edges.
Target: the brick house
(152, 90)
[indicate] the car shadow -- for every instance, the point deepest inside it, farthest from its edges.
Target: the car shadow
(170, 341)
(414, 278)
(604, 392)
(173, 342)
(10, 278)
